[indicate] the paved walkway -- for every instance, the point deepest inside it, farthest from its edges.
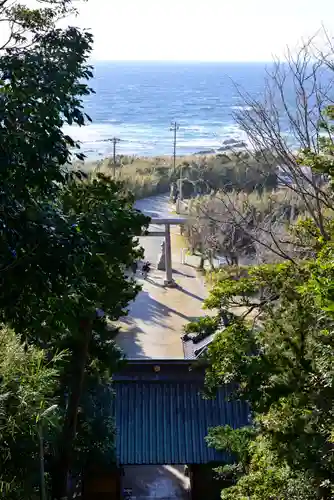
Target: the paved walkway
(156, 318)
(156, 482)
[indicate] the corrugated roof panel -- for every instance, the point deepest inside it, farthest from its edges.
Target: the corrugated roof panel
(166, 422)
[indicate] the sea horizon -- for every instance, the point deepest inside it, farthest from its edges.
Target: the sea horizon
(137, 102)
(175, 61)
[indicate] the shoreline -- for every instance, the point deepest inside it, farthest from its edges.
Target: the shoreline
(130, 165)
(228, 146)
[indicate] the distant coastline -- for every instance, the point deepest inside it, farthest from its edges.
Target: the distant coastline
(137, 102)
(227, 146)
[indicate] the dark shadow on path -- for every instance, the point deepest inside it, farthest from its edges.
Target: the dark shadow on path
(176, 271)
(152, 281)
(146, 308)
(193, 295)
(150, 317)
(130, 337)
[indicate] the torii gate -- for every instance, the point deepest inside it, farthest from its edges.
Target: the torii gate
(167, 222)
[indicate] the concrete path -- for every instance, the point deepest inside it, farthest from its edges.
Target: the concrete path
(153, 329)
(154, 326)
(164, 482)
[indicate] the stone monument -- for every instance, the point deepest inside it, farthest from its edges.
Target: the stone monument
(161, 265)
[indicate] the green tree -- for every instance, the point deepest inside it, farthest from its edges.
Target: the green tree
(27, 387)
(258, 473)
(65, 244)
(278, 352)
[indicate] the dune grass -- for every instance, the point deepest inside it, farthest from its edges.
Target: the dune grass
(148, 176)
(142, 176)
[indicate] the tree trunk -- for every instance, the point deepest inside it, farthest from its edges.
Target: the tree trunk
(234, 258)
(201, 263)
(210, 259)
(62, 467)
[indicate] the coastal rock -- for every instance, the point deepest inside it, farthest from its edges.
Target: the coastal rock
(206, 152)
(230, 141)
(240, 144)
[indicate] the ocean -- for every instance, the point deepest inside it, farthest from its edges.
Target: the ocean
(137, 102)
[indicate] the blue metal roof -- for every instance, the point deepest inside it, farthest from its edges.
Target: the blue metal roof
(162, 418)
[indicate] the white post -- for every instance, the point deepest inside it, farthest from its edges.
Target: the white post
(183, 255)
(181, 190)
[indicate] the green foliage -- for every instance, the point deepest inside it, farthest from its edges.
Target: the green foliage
(282, 365)
(236, 441)
(265, 477)
(277, 353)
(257, 472)
(202, 328)
(78, 266)
(27, 387)
(95, 440)
(23, 25)
(65, 243)
(142, 177)
(202, 174)
(239, 173)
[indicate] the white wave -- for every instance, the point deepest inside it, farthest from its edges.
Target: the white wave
(193, 128)
(90, 133)
(146, 139)
(241, 108)
(231, 131)
(93, 135)
(113, 120)
(199, 143)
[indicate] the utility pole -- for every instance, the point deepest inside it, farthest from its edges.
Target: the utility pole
(174, 128)
(114, 141)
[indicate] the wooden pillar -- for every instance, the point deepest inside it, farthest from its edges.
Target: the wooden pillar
(204, 483)
(102, 484)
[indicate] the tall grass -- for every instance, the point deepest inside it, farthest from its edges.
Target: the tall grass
(142, 176)
(145, 176)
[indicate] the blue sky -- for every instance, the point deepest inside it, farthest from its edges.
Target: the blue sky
(202, 30)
